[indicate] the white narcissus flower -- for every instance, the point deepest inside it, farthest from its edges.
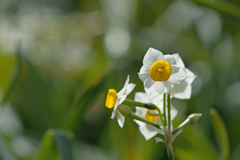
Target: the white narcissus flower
(184, 89)
(147, 130)
(115, 99)
(160, 73)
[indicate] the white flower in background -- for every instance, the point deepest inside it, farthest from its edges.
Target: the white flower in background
(115, 99)
(147, 130)
(184, 89)
(160, 73)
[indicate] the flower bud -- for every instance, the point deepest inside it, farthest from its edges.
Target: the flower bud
(191, 119)
(194, 117)
(124, 110)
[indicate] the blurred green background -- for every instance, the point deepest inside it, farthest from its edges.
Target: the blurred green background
(58, 58)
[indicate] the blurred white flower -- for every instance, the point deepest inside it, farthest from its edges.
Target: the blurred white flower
(184, 89)
(160, 73)
(149, 131)
(114, 99)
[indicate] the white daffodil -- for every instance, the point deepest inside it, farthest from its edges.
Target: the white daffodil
(184, 89)
(160, 73)
(149, 131)
(115, 99)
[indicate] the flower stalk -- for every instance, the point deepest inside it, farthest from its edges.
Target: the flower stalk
(158, 73)
(168, 134)
(145, 105)
(164, 109)
(126, 112)
(169, 111)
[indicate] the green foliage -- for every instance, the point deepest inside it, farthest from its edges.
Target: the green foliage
(220, 133)
(224, 8)
(73, 51)
(5, 153)
(55, 143)
(192, 144)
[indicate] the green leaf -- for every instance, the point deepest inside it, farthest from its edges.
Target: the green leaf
(55, 142)
(236, 153)
(11, 80)
(193, 144)
(74, 115)
(62, 140)
(5, 153)
(221, 133)
(223, 8)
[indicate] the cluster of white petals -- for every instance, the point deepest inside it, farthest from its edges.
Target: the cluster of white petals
(160, 74)
(155, 88)
(184, 89)
(147, 130)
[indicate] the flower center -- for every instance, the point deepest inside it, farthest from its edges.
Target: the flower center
(160, 71)
(111, 98)
(152, 115)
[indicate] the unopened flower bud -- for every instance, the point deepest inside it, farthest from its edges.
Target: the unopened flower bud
(194, 117)
(124, 110)
(191, 119)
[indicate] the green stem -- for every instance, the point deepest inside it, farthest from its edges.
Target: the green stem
(169, 111)
(155, 124)
(168, 133)
(171, 155)
(164, 109)
(126, 112)
(168, 143)
(160, 115)
(129, 102)
(150, 106)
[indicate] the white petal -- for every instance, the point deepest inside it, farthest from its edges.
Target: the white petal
(179, 61)
(144, 73)
(170, 59)
(190, 76)
(182, 90)
(168, 86)
(115, 110)
(174, 112)
(130, 87)
(159, 87)
(123, 90)
(159, 140)
(148, 131)
(140, 123)
(158, 101)
(142, 97)
(143, 76)
(158, 98)
(177, 76)
(152, 56)
(141, 111)
(144, 70)
(120, 119)
(149, 88)
(123, 97)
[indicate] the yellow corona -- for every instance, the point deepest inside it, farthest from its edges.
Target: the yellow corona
(160, 71)
(150, 116)
(111, 98)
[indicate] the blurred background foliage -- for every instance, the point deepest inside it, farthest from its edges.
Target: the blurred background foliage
(58, 58)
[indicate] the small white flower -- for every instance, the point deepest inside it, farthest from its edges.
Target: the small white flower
(115, 99)
(147, 130)
(184, 89)
(160, 73)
